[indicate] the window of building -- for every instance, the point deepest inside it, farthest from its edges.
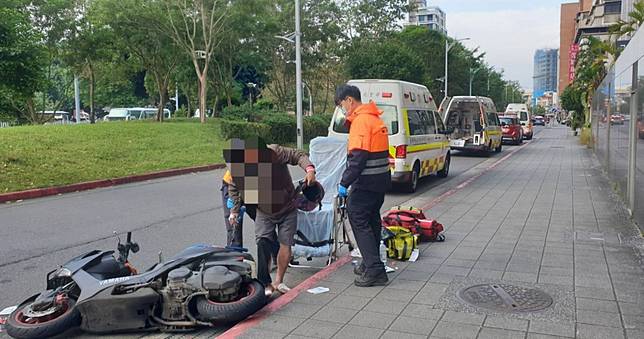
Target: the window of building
(422, 18)
(613, 7)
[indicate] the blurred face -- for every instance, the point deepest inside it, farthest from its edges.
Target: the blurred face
(348, 105)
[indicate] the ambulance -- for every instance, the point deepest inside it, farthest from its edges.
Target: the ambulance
(473, 123)
(418, 142)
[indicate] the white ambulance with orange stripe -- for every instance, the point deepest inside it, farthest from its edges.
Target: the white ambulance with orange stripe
(418, 142)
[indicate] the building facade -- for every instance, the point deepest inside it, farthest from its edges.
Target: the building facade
(597, 20)
(567, 30)
(431, 17)
(545, 71)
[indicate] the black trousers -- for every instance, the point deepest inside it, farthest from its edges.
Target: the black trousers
(363, 208)
(235, 235)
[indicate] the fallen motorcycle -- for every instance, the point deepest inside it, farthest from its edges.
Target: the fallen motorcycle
(101, 292)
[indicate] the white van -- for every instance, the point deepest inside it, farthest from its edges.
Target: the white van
(473, 123)
(525, 118)
(135, 113)
(418, 145)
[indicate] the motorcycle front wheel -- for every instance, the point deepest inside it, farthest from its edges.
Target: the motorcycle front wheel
(26, 324)
(230, 312)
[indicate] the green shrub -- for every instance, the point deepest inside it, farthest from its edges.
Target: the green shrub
(283, 128)
(180, 113)
(316, 126)
(243, 129)
(246, 113)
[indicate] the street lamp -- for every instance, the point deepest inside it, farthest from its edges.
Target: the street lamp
(448, 47)
(250, 86)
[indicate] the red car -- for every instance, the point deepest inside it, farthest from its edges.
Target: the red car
(512, 130)
(616, 119)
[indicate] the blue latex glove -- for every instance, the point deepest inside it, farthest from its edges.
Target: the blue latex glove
(342, 191)
(230, 203)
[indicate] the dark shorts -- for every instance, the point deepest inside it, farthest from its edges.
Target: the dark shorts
(286, 227)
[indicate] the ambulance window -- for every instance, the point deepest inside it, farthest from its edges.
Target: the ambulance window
(431, 124)
(390, 118)
(416, 123)
(524, 116)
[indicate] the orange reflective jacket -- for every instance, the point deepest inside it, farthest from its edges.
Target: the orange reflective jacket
(228, 178)
(368, 151)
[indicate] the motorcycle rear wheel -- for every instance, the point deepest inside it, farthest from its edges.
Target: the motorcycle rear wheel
(252, 301)
(21, 326)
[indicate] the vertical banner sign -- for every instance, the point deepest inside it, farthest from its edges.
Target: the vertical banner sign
(572, 56)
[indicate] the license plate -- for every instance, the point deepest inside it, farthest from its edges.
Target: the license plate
(457, 143)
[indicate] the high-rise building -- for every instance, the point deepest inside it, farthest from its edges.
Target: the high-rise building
(627, 7)
(567, 45)
(594, 20)
(545, 71)
(431, 17)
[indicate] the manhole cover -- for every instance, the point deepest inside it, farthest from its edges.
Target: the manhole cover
(505, 298)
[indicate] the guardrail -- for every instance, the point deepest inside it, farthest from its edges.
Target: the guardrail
(4, 124)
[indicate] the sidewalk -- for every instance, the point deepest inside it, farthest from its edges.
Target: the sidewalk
(544, 218)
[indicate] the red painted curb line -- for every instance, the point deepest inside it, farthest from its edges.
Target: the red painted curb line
(280, 302)
(84, 186)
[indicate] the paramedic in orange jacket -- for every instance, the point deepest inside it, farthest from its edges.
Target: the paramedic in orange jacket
(368, 175)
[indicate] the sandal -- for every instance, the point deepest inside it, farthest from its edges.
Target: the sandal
(282, 288)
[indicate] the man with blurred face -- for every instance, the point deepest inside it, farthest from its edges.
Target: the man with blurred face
(261, 177)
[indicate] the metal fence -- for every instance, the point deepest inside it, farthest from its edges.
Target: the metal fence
(618, 126)
(4, 124)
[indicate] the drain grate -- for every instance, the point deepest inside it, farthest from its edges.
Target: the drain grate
(506, 298)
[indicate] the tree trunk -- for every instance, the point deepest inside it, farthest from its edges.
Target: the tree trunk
(92, 117)
(202, 97)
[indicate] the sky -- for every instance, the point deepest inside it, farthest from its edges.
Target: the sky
(509, 31)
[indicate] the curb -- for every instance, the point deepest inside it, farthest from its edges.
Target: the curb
(280, 302)
(285, 299)
(84, 186)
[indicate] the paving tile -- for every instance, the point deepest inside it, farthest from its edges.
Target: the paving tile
(408, 274)
(422, 311)
(552, 328)
(555, 279)
(585, 331)
(453, 270)
(633, 321)
(362, 291)
(446, 329)
(413, 325)
(635, 334)
(544, 336)
(381, 305)
(296, 336)
(334, 314)
(506, 323)
(594, 293)
(484, 273)
(408, 285)
(350, 302)
(401, 335)
(358, 332)
(523, 277)
(396, 294)
(281, 324)
(317, 328)
(597, 305)
(315, 299)
(497, 333)
(631, 308)
(599, 318)
(260, 333)
(298, 310)
(373, 319)
(464, 318)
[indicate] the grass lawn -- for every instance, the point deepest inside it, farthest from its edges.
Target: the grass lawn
(44, 156)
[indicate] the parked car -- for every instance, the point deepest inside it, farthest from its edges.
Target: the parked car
(512, 129)
(525, 118)
(473, 122)
(539, 120)
(616, 119)
(135, 113)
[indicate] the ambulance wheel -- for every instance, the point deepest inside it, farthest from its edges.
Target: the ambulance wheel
(411, 186)
(499, 148)
(445, 171)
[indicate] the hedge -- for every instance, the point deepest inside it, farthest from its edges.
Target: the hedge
(277, 128)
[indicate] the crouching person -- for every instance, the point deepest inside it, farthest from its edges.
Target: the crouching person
(261, 176)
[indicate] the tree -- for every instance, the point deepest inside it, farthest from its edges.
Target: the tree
(196, 27)
(389, 59)
(21, 59)
(629, 26)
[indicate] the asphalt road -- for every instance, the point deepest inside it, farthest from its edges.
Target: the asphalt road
(165, 215)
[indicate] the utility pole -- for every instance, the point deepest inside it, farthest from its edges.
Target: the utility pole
(176, 97)
(472, 73)
(77, 99)
(298, 76)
